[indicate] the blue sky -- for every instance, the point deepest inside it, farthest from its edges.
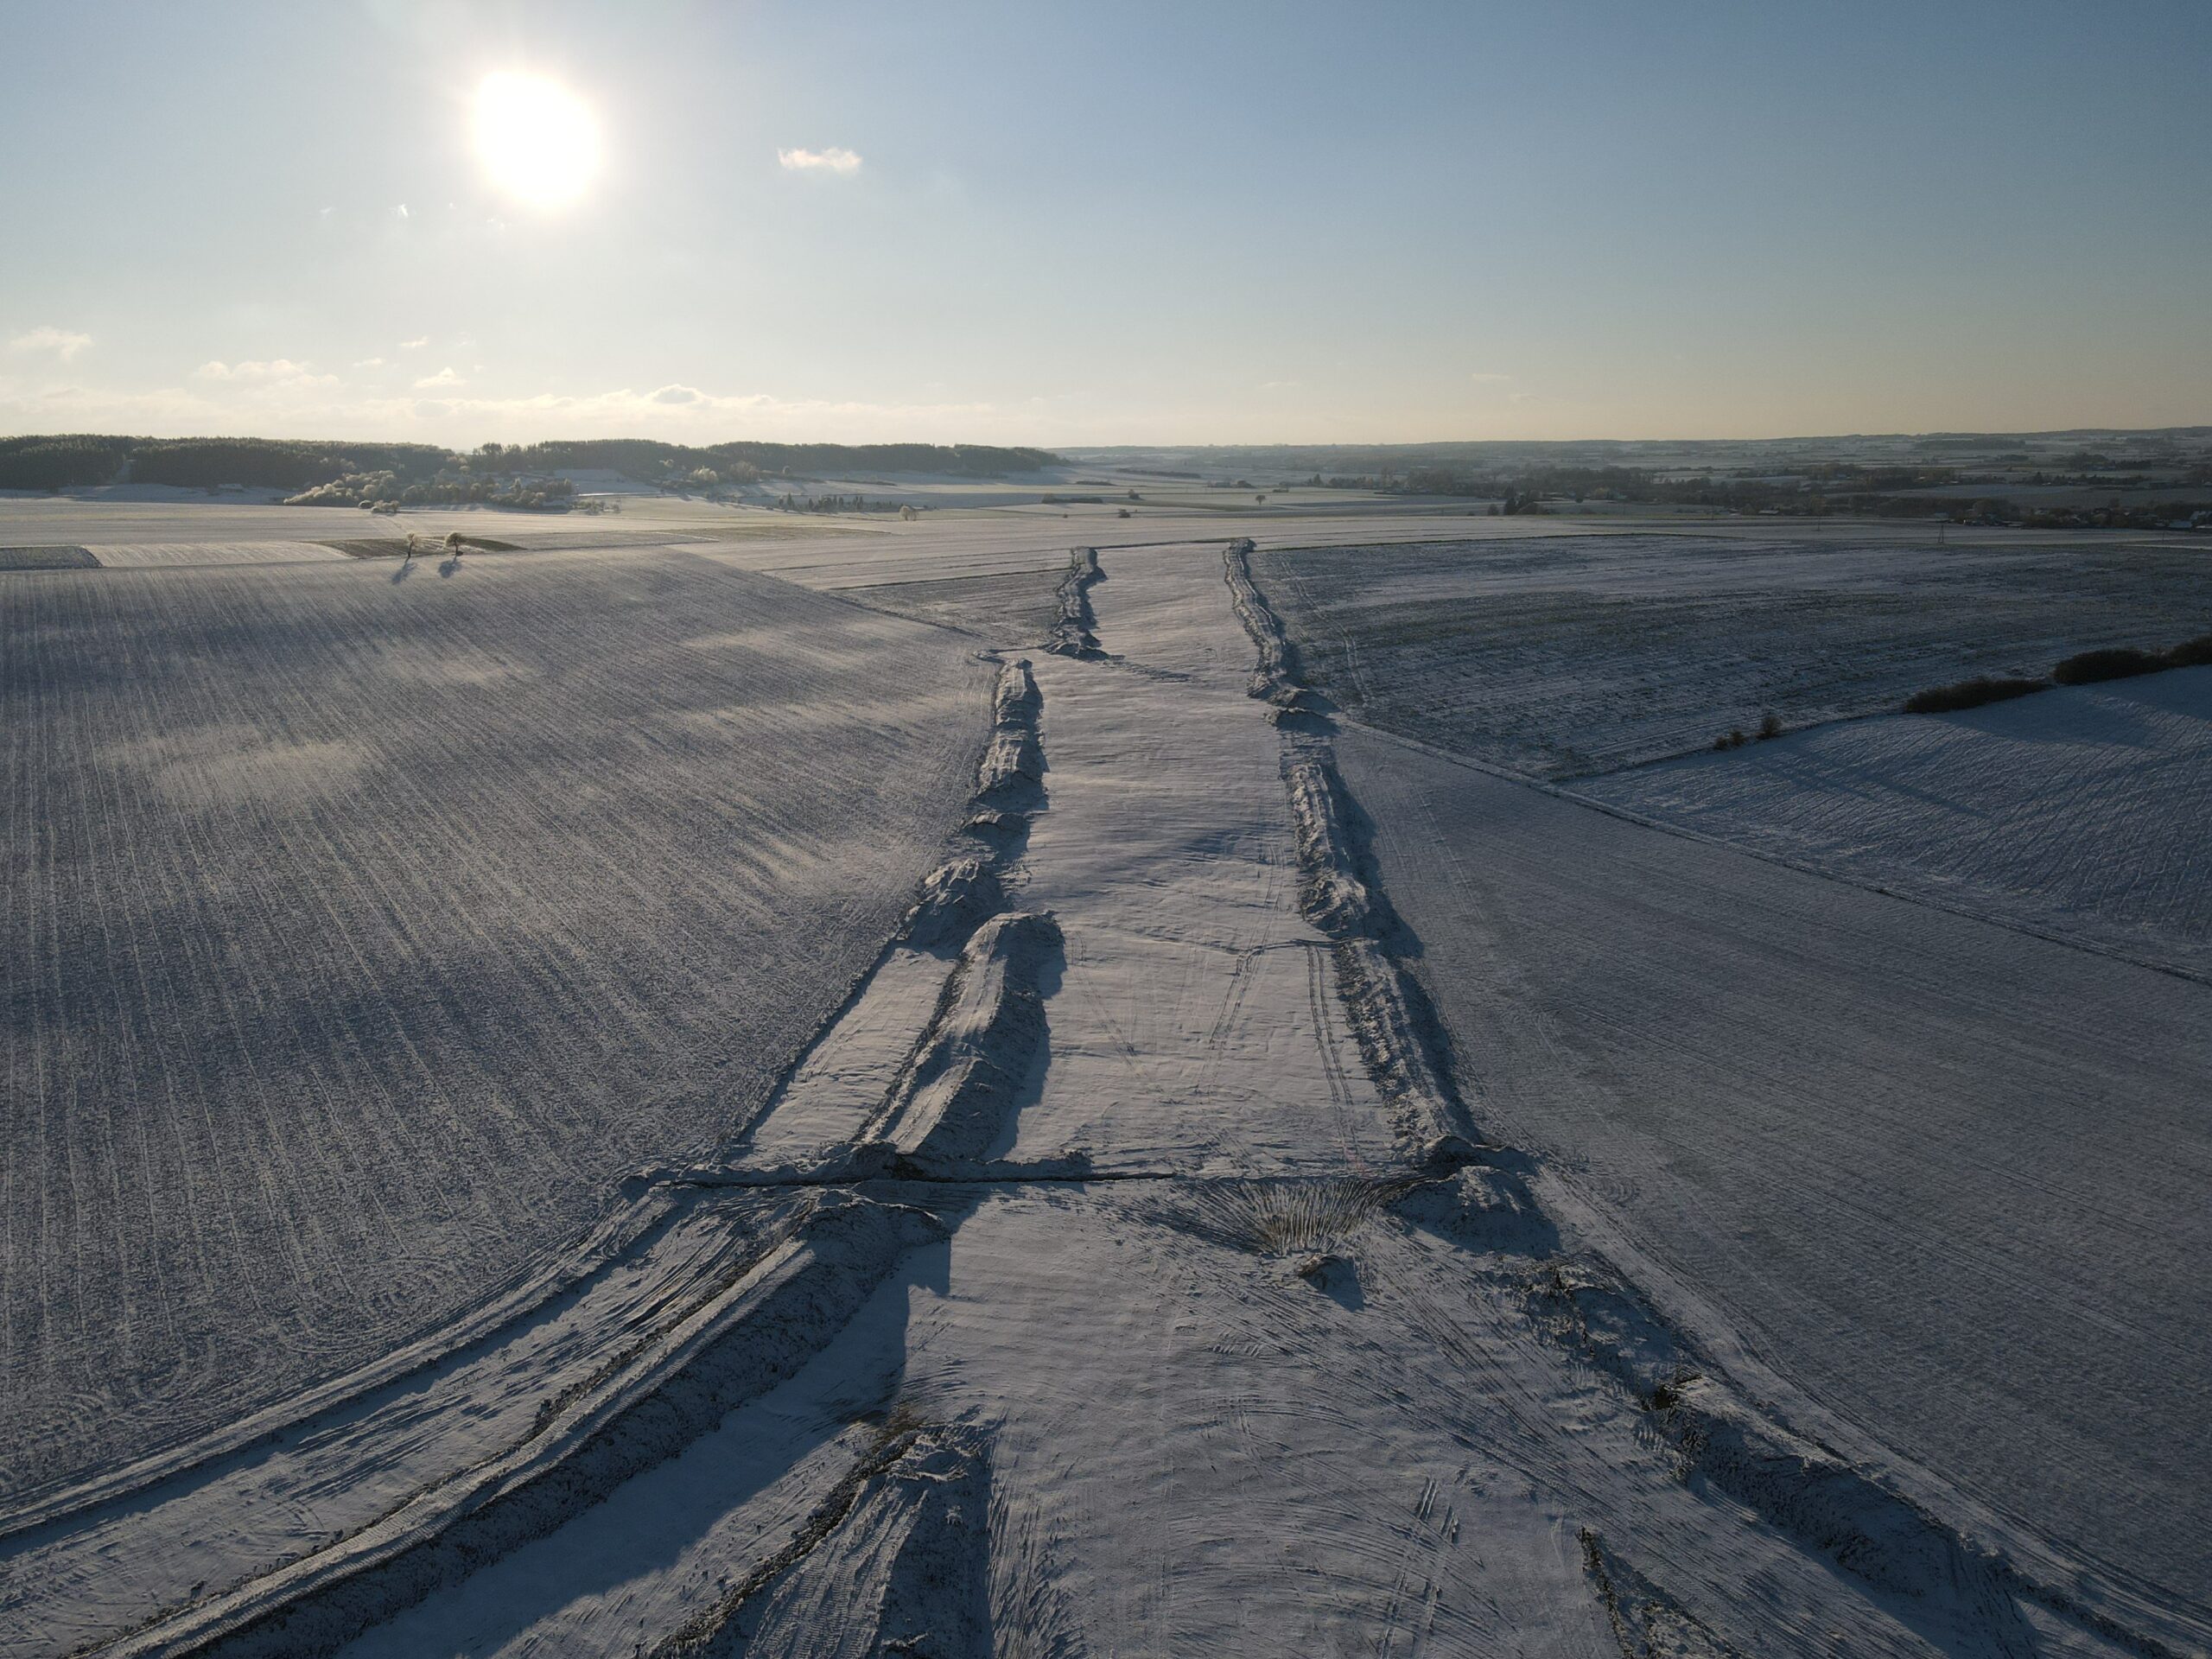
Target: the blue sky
(1125, 223)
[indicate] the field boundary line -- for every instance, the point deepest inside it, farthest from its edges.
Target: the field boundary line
(1629, 815)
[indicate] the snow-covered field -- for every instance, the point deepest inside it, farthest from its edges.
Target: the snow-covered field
(1565, 656)
(132, 529)
(1279, 1189)
(2081, 812)
(1018, 607)
(1946, 1178)
(365, 923)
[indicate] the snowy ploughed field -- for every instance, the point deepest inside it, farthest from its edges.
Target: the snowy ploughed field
(1568, 655)
(363, 932)
(2080, 812)
(956, 1088)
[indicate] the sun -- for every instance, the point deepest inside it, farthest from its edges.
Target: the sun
(537, 140)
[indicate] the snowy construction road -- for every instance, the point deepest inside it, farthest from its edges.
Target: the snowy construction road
(1128, 1269)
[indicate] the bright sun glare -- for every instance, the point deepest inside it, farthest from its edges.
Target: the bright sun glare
(539, 142)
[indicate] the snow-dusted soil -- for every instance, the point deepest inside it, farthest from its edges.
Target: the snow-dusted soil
(2080, 812)
(1946, 1178)
(1020, 607)
(175, 529)
(1195, 1024)
(1180, 1441)
(134, 555)
(48, 558)
(1567, 655)
(1192, 1449)
(314, 1482)
(366, 925)
(1134, 1265)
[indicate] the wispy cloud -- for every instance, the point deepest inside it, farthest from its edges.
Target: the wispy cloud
(1489, 377)
(369, 363)
(843, 162)
(61, 342)
(414, 345)
(677, 412)
(444, 377)
(278, 371)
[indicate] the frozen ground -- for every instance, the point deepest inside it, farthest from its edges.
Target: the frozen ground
(365, 922)
(1768, 1267)
(1562, 657)
(1110, 1277)
(2080, 812)
(1015, 608)
(174, 520)
(1947, 1179)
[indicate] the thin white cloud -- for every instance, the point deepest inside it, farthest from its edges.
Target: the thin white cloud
(278, 371)
(1489, 377)
(369, 363)
(679, 413)
(414, 345)
(61, 342)
(836, 159)
(444, 377)
(87, 408)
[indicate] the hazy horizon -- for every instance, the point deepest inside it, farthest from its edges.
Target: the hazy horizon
(1080, 229)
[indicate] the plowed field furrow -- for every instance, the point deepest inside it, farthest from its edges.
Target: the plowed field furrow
(2077, 813)
(369, 932)
(1576, 654)
(1914, 1163)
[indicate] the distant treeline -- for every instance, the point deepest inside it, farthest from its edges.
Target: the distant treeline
(1832, 485)
(649, 459)
(209, 463)
(2085, 668)
(1830, 488)
(468, 483)
(68, 461)
(81, 460)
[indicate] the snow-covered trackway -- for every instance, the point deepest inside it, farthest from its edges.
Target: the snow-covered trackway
(1119, 1273)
